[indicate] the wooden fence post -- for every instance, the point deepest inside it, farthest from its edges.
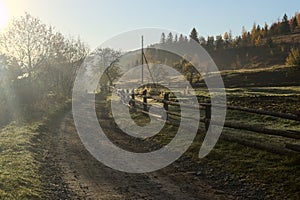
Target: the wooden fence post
(207, 116)
(145, 100)
(133, 99)
(298, 114)
(165, 101)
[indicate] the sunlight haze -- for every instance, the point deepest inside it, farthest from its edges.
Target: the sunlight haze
(96, 21)
(160, 99)
(3, 14)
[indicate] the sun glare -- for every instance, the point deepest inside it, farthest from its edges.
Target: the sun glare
(3, 14)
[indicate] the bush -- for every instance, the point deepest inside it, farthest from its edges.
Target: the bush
(293, 57)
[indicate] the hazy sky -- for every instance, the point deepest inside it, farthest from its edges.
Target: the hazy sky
(98, 20)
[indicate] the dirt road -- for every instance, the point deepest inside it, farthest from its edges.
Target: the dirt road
(70, 172)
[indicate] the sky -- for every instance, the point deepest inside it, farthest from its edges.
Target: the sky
(96, 21)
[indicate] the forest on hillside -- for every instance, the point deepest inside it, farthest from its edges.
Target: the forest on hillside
(262, 46)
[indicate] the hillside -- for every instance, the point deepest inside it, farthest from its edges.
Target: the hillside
(249, 57)
(272, 76)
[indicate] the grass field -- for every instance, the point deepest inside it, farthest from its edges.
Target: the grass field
(278, 175)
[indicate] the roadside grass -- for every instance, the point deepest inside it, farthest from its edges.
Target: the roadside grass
(19, 171)
(21, 155)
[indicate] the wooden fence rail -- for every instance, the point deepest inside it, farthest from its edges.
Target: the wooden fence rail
(289, 148)
(249, 110)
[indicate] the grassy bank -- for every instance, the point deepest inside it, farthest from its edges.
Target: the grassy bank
(21, 156)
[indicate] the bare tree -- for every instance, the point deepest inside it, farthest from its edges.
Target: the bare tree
(27, 41)
(43, 55)
(109, 59)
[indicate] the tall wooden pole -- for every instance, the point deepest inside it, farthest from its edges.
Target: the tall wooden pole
(142, 60)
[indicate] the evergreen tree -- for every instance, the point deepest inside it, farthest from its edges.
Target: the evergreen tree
(169, 38)
(237, 41)
(258, 29)
(266, 27)
(194, 35)
(163, 38)
(181, 38)
(284, 26)
(186, 39)
(294, 23)
(176, 38)
(265, 30)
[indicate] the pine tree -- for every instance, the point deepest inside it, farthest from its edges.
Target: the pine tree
(294, 24)
(284, 26)
(176, 38)
(237, 41)
(169, 38)
(181, 38)
(163, 38)
(186, 39)
(194, 35)
(265, 30)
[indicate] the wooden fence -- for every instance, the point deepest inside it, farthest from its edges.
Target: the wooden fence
(286, 149)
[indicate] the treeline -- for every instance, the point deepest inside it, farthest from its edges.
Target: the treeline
(262, 46)
(258, 35)
(38, 66)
